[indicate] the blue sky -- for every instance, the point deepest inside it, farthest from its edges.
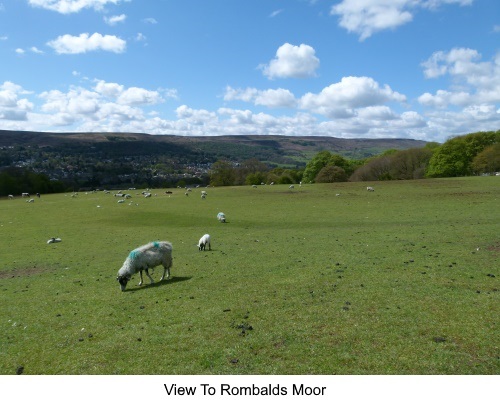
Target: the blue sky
(421, 69)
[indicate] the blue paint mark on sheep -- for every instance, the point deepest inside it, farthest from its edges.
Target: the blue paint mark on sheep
(134, 254)
(156, 245)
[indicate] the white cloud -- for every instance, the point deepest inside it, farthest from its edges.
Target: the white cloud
(149, 20)
(272, 98)
(13, 108)
(473, 82)
(275, 13)
(20, 51)
(110, 90)
(339, 99)
(138, 96)
(68, 44)
(113, 20)
(104, 104)
(34, 49)
(72, 6)
(292, 61)
(366, 17)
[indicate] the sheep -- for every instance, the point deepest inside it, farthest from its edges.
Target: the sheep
(25, 194)
(204, 241)
(291, 186)
(11, 197)
(147, 195)
(221, 217)
(370, 189)
(31, 200)
(144, 258)
(54, 240)
(121, 201)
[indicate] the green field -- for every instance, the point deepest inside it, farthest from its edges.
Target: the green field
(321, 279)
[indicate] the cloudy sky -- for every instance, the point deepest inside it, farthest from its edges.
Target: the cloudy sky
(422, 69)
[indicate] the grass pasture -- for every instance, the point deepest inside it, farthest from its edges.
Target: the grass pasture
(403, 280)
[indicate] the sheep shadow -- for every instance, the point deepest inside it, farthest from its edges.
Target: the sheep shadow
(157, 284)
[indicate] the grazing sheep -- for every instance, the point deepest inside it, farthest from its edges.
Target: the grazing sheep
(291, 186)
(121, 201)
(221, 217)
(25, 194)
(11, 197)
(147, 195)
(54, 240)
(144, 258)
(204, 241)
(370, 189)
(31, 200)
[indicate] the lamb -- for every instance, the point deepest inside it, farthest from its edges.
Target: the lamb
(370, 189)
(204, 241)
(144, 258)
(221, 217)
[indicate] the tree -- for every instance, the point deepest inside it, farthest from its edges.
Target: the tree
(324, 159)
(487, 161)
(222, 174)
(454, 158)
(251, 167)
(315, 165)
(378, 168)
(331, 174)
(410, 164)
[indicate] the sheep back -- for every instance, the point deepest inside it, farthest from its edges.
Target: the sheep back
(147, 256)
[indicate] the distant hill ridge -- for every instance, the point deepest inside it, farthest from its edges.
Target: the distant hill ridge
(274, 149)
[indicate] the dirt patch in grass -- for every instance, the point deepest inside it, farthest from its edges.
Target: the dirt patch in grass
(26, 272)
(494, 248)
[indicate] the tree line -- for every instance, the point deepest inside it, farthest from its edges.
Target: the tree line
(466, 155)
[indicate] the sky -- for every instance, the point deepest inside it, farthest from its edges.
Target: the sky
(419, 69)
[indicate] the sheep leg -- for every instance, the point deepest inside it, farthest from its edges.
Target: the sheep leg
(150, 278)
(166, 271)
(140, 277)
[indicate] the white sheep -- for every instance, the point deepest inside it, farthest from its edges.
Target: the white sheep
(31, 200)
(204, 241)
(221, 217)
(370, 189)
(54, 240)
(11, 197)
(144, 258)
(291, 186)
(25, 194)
